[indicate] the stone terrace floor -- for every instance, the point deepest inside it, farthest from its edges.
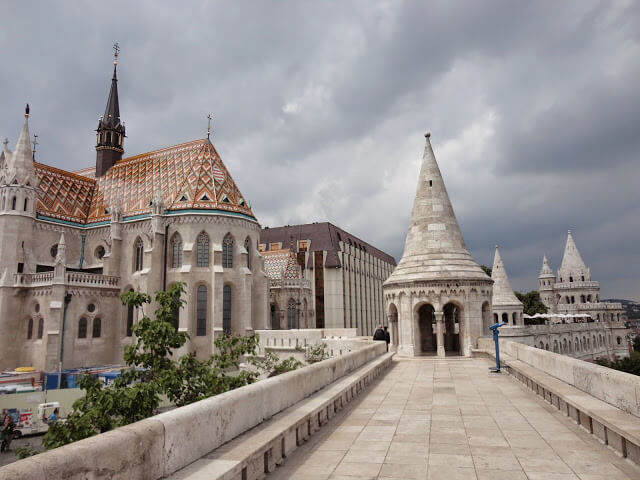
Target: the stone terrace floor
(451, 419)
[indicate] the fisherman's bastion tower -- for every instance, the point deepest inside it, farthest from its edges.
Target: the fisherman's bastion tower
(505, 305)
(72, 242)
(438, 298)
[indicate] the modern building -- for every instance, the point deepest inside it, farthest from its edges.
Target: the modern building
(72, 242)
(438, 298)
(346, 273)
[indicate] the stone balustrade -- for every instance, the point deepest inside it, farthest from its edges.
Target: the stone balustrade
(92, 279)
(576, 285)
(33, 279)
(289, 283)
(161, 445)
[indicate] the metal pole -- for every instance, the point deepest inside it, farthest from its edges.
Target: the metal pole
(496, 332)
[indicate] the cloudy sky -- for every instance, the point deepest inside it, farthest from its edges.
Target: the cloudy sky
(320, 108)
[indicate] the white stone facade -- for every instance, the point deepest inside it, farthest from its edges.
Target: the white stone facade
(438, 298)
(506, 306)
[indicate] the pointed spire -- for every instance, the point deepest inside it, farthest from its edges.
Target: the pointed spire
(61, 256)
(20, 162)
(23, 146)
(502, 292)
(546, 270)
(434, 248)
(112, 110)
(572, 264)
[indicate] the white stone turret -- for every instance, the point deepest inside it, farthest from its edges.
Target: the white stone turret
(546, 283)
(572, 268)
(438, 299)
(504, 302)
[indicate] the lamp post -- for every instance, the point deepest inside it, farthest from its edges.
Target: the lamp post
(67, 301)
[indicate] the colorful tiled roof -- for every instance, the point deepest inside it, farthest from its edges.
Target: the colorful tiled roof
(189, 176)
(279, 264)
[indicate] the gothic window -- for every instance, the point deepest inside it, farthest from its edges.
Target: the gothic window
(130, 319)
(619, 340)
(82, 328)
(247, 247)
(202, 250)
(99, 253)
(26, 204)
(570, 279)
(582, 299)
(201, 311)
(30, 329)
(175, 318)
(505, 317)
(292, 313)
(13, 203)
(226, 309)
(176, 251)
(40, 328)
(97, 328)
(227, 251)
(139, 255)
(583, 278)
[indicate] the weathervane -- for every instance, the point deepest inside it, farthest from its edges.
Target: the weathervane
(116, 51)
(208, 126)
(35, 142)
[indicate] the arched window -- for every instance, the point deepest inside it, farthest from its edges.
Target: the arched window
(495, 318)
(541, 346)
(130, 318)
(227, 251)
(226, 309)
(97, 328)
(30, 329)
(40, 328)
(13, 203)
(176, 251)
(139, 255)
(247, 247)
(514, 316)
(202, 250)
(505, 317)
(82, 328)
(201, 311)
(292, 313)
(619, 340)
(26, 204)
(175, 318)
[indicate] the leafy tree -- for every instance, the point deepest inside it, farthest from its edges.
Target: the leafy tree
(316, 353)
(152, 372)
(271, 363)
(486, 269)
(531, 302)
(630, 364)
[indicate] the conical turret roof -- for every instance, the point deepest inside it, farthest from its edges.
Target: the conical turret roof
(20, 162)
(572, 263)
(502, 292)
(546, 270)
(434, 247)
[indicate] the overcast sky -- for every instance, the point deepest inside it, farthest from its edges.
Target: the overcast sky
(320, 109)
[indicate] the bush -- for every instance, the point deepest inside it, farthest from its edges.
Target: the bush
(316, 353)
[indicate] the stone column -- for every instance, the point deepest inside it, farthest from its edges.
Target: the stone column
(440, 333)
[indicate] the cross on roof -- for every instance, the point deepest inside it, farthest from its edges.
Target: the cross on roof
(209, 117)
(116, 51)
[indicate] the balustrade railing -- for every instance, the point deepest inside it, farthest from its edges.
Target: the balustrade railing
(33, 279)
(71, 278)
(289, 283)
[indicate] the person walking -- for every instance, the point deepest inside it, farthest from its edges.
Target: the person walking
(7, 432)
(387, 336)
(379, 335)
(54, 415)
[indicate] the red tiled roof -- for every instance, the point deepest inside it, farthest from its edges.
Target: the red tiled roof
(190, 176)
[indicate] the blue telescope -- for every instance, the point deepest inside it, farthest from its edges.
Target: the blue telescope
(496, 332)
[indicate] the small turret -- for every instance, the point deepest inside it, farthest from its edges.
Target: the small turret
(572, 268)
(546, 283)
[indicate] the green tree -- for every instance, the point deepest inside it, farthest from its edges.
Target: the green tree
(531, 302)
(152, 372)
(630, 364)
(486, 269)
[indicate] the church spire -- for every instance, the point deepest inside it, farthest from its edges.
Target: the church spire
(20, 162)
(111, 131)
(502, 291)
(434, 248)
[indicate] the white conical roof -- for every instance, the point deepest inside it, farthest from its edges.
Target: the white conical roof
(20, 162)
(502, 292)
(572, 263)
(434, 247)
(546, 270)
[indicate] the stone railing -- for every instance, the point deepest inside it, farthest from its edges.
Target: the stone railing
(289, 283)
(575, 285)
(159, 446)
(33, 279)
(586, 307)
(92, 280)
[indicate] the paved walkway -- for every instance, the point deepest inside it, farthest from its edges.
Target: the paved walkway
(451, 419)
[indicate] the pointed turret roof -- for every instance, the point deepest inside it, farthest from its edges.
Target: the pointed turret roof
(20, 162)
(502, 292)
(546, 270)
(571, 260)
(112, 110)
(434, 248)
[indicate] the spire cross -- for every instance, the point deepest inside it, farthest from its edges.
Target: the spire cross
(209, 117)
(116, 51)
(35, 142)
(5, 143)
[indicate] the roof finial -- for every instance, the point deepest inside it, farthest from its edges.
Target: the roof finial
(427, 135)
(26, 111)
(116, 51)
(208, 126)
(5, 143)
(35, 142)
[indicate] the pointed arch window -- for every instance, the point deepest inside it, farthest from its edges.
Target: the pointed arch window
(30, 329)
(82, 328)
(226, 309)
(139, 255)
(201, 311)
(40, 328)
(26, 204)
(202, 250)
(227, 251)
(292, 312)
(13, 203)
(247, 247)
(96, 331)
(130, 318)
(176, 251)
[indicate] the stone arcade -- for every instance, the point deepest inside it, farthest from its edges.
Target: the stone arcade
(438, 297)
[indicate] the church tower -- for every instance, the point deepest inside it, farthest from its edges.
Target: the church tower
(111, 133)
(546, 284)
(437, 298)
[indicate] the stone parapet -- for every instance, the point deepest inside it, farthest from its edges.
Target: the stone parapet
(576, 285)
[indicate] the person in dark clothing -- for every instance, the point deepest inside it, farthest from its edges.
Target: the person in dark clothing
(379, 335)
(387, 336)
(7, 433)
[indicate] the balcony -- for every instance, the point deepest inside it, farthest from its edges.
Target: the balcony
(76, 279)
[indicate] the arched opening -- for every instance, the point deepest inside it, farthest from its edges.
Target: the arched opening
(41, 328)
(226, 309)
(514, 318)
(541, 345)
(247, 247)
(176, 251)
(426, 327)
(555, 346)
(13, 203)
(496, 319)
(97, 328)
(505, 317)
(486, 318)
(227, 251)
(451, 327)
(275, 321)
(393, 326)
(202, 250)
(292, 314)
(546, 347)
(138, 261)
(201, 311)
(82, 328)
(26, 204)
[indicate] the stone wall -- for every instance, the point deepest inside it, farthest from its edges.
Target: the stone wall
(622, 390)
(161, 445)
